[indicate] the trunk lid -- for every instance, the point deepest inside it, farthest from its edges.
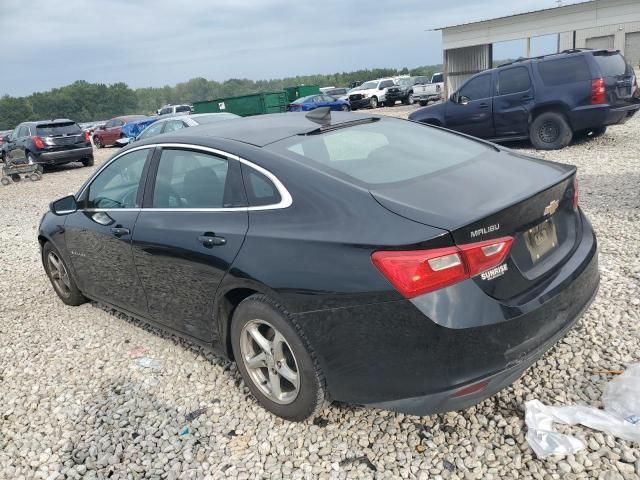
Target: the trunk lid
(497, 195)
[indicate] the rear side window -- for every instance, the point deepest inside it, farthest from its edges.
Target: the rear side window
(477, 88)
(611, 64)
(513, 80)
(562, 71)
(183, 108)
(189, 179)
(58, 129)
(260, 190)
(382, 152)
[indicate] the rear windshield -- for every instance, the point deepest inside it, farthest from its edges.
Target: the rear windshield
(611, 64)
(566, 70)
(183, 108)
(57, 129)
(215, 117)
(382, 152)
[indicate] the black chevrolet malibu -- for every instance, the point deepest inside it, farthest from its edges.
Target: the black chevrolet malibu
(369, 260)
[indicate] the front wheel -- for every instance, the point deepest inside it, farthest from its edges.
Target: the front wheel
(373, 103)
(410, 100)
(550, 131)
(58, 274)
(390, 103)
(275, 362)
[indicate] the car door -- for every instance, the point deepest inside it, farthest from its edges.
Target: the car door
(112, 131)
(16, 147)
(189, 232)
(513, 101)
(98, 235)
(471, 109)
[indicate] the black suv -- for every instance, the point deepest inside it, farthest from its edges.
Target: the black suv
(403, 90)
(49, 142)
(545, 99)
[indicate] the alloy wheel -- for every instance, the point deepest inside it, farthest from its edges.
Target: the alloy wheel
(59, 274)
(410, 99)
(270, 361)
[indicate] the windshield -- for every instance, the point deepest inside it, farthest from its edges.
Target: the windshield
(214, 117)
(301, 100)
(57, 129)
(368, 85)
(381, 152)
(404, 82)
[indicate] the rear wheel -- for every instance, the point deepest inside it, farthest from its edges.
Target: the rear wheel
(423, 103)
(373, 103)
(58, 274)
(550, 131)
(88, 162)
(275, 361)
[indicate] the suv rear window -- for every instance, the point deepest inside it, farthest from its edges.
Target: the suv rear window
(611, 64)
(564, 70)
(57, 129)
(385, 151)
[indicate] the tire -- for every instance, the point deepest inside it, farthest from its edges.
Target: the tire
(88, 162)
(390, 103)
(344, 108)
(16, 177)
(550, 131)
(424, 103)
(410, 100)
(67, 289)
(373, 103)
(35, 176)
(297, 401)
(5, 181)
(97, 142)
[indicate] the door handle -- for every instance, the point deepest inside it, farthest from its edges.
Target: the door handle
(527, 97)
(483, 105)
(210, 240)
(120, 231)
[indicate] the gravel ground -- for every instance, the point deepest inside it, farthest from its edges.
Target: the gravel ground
(75, 404)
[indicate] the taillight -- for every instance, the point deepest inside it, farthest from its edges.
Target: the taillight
(37, 141)
(576, 191)
(597, 91)
(416, 272)
(87, 136)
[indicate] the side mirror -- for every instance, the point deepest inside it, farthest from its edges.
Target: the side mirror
(463, 100)
(64, 205)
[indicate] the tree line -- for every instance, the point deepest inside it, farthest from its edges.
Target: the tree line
(84, 102)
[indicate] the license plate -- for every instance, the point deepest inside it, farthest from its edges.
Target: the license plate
(541, 239)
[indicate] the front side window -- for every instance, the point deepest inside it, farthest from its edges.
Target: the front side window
(513, 80)
(188, 179)
(109, 124)
(381, 152)
(118, 184)
(477, 88)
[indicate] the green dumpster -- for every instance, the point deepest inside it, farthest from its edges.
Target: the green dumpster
(300, 91)
(245, 105)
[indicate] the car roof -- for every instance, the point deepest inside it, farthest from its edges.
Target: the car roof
(261, 130)
(49, 122)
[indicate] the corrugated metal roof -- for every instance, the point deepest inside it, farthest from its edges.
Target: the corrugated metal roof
(514, 15)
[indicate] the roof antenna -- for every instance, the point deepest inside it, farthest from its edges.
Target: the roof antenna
(321, 116)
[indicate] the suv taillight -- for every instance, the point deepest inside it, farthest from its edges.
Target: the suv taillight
(87, 136)
(416, 272)
(597, 91)
(37, 141)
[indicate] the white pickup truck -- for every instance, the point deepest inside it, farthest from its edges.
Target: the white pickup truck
(429, 91)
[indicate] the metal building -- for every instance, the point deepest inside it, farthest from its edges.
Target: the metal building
(468, 48)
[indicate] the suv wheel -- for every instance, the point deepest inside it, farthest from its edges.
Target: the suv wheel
(275, 362)
(550, 131)
(97, 142)
(410, 100)
(88, 162)
(373, 103)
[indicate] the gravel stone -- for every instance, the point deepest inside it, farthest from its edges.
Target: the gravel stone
(76, 405)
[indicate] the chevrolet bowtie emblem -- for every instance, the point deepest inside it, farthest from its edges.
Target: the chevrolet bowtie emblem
(551, 208)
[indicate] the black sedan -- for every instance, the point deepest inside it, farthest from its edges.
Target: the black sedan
(335, 256)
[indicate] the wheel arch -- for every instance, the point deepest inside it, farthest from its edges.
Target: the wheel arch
(557, 107)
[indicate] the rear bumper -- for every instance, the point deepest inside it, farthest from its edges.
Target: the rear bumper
(416, 356)
(595, 116)
(64, 156)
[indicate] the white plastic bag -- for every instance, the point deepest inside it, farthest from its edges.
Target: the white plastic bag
(620, 418)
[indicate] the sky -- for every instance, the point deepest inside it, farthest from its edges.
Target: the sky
(163, 42)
